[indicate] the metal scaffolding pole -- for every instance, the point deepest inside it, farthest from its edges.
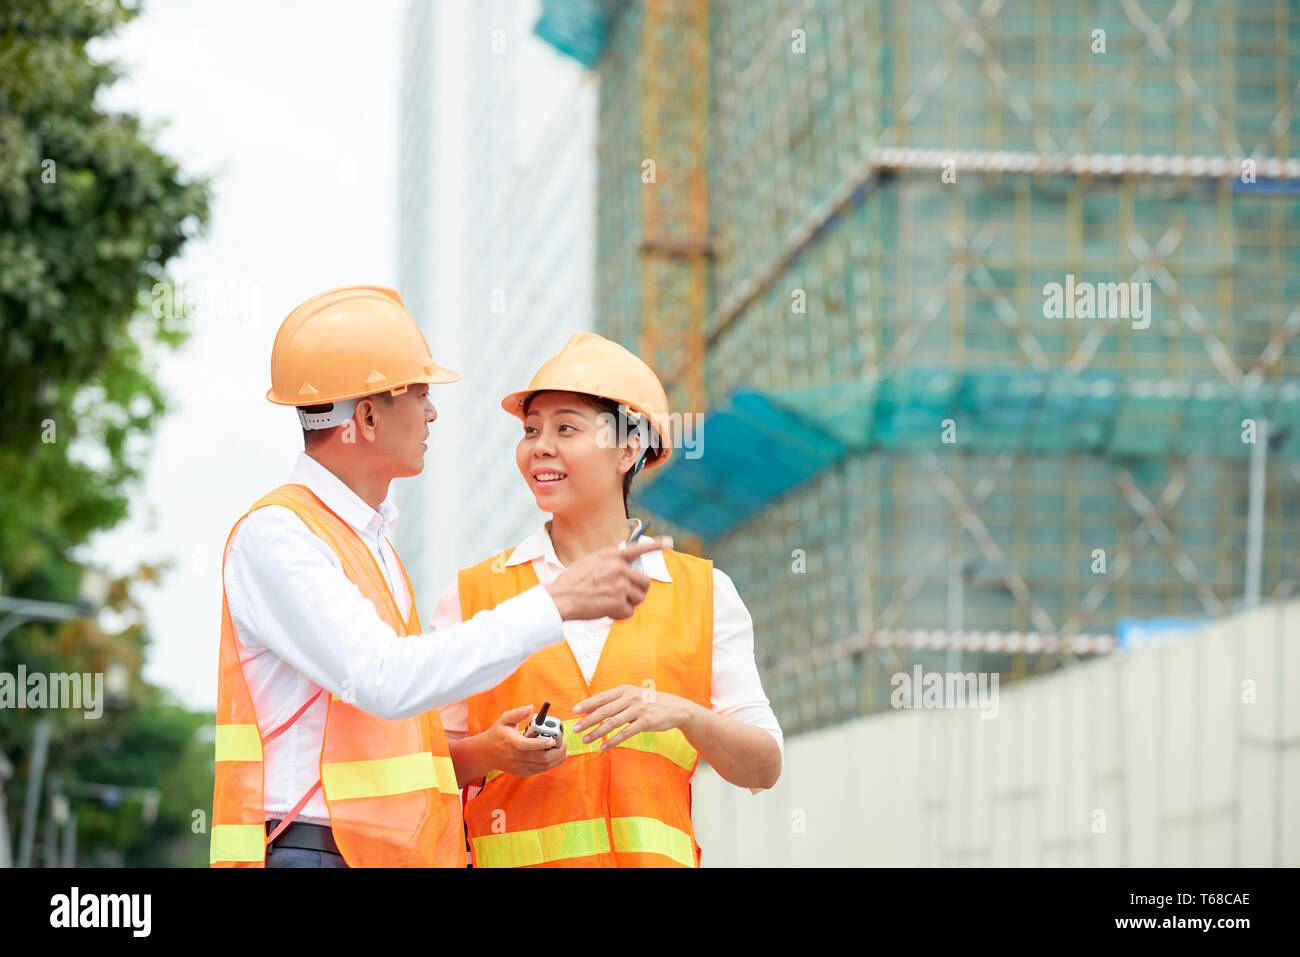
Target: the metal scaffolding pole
(1255, 516)
(956, 575)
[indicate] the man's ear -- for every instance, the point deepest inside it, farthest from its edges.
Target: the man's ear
(367, 417)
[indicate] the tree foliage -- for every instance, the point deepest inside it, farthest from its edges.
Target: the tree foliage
(91, 213)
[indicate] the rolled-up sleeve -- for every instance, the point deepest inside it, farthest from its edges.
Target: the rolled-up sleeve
(288, 593)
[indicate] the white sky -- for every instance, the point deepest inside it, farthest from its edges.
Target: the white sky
(293, 107)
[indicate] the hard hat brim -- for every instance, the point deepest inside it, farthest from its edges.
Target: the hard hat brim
(442, 376)
(514, 404)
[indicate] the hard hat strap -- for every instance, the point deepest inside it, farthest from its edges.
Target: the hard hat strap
(340, 413)
(640, 462)
(642, 424)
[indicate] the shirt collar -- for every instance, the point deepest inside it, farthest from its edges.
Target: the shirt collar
(539, 545)
(341, 500)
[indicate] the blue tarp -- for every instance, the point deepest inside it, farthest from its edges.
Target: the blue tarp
(578, 28)
(753, 451)
(759, 445)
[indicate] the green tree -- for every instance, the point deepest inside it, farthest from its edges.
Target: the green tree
(91, 213)
(146, 741)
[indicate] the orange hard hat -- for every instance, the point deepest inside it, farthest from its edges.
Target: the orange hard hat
(347, 343)
(594, 365)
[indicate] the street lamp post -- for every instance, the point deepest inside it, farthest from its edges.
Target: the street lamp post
(6, 772)
(109, 794)
(19, 611)
(36, 778)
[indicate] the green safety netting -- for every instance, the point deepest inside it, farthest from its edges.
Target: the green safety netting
(757, 446)
(578, 28)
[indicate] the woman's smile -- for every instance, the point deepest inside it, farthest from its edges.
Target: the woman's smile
(548, 477)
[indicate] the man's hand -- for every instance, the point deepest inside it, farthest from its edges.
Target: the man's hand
(641, 709)
(604, 583)
(512, 753)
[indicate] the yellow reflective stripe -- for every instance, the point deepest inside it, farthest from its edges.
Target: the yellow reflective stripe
(557, 842)
(237, 842)
(238, 742)
(670, 744)
(574, 740)
(647, 835)
(379, 777)
(445, 770)
(443, 767)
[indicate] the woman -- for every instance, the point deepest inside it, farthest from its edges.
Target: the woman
(674, 682)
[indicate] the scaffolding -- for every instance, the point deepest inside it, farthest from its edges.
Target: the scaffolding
(890, 190)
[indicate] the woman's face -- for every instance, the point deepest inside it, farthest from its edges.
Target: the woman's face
(569, 454)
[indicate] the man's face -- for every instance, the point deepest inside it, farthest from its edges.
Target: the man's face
(400, 430)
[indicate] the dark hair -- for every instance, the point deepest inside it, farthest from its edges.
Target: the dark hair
(650, 437)
(312, 437)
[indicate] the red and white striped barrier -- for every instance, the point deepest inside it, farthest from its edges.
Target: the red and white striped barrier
(1002, 641)
(1102, 164)
(938, 639)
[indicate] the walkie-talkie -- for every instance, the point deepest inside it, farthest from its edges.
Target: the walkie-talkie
(545, 727)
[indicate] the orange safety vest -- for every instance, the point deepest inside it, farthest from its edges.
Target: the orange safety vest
(629, 806)
(390, 786)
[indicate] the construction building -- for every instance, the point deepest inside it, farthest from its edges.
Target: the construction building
(844, 234)
(497, 259)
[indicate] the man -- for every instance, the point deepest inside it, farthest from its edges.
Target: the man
(328, 750)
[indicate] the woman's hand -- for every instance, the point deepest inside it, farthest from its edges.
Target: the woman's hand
(515, 754)
(641, 709)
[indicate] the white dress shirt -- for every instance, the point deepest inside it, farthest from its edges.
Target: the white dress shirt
(736, 690)
(302, 625)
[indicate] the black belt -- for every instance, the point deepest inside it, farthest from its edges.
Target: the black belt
(307, 837)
